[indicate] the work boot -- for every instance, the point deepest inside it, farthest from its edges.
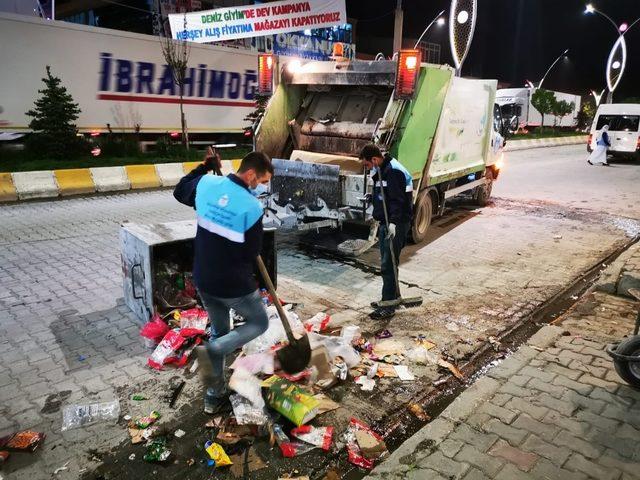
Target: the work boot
(382, 313)
(214, 404)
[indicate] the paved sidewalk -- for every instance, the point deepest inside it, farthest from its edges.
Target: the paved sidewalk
(555, 409)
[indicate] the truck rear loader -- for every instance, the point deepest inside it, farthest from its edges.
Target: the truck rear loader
(445, 130)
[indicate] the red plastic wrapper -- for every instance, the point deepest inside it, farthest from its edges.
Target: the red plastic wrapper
(167, 348)
(296, 377)
(25, 441)
(193, 322)
(355, 455)
(317, 436)
(293, 449)
(155, 329)
(3, 456)
(317, 323)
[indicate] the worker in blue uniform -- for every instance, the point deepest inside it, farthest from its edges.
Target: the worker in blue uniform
(398, 196)
(227, 243)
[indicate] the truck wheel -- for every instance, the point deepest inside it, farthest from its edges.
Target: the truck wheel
(629, 371)
(481, 194)
(422, 217)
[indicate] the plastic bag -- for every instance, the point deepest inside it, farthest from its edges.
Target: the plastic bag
(356, 455)
(337, 347)
(74, 416)
(171, 342)
(317, 323)
(25, 441)
(290, 400)
(246, 413)
(155, 329)
(275, 334)
(193, 321)
(217, 454)
(318, 436)
(247, 384)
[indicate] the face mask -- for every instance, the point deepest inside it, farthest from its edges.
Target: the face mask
(260, 189)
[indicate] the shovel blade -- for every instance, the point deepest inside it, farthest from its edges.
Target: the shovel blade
(295, 357)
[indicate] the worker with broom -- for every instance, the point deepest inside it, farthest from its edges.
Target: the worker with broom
(392, 206)
(227, 243)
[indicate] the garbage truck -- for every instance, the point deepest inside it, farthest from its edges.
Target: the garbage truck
(445, 130)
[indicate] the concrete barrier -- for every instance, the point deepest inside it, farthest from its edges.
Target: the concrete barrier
(39, 184)
(515, 145)
(188, 166)
(169, 173)
(74, 181)
(110, 179)
(142, 176)
(7, 190)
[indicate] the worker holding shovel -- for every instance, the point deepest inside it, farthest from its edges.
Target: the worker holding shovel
(392, 206)
(227, 243)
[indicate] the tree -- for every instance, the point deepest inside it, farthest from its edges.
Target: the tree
(176, 54)
(586, 114)
(55, 134)
(543, 101)
(561, 109)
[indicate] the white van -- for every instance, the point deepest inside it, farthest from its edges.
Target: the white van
(624, 128)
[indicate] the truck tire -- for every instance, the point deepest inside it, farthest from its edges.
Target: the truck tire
(482, 194)
(629, 371)
(421, 217)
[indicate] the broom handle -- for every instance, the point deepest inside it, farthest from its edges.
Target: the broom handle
(386, 220)
(272, 291)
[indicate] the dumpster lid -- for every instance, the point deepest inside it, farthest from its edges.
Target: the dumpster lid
(357, 72)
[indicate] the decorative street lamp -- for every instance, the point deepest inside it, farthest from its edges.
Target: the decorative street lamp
(439, 20)
(462, 25)
(617, 61)
(597, 96)
(562, 55)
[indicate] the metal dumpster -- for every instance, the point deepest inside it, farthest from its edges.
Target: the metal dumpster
(145, 249)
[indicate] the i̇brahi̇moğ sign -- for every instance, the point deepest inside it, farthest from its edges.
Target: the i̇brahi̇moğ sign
(256, 20)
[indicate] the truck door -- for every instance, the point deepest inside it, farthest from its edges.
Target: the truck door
(623, 131)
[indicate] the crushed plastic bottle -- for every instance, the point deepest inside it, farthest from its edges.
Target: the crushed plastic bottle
(75, 416)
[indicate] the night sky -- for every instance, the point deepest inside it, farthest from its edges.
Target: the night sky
(517, 40)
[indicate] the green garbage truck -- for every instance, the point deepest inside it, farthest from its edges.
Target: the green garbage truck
(446, 130)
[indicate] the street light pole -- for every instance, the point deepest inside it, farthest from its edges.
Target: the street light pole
(563, 54)
(436, 19)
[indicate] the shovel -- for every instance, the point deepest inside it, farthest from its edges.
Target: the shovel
(293, 357)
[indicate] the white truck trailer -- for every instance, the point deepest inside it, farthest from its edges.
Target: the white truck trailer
(516, 107)
(121, 79)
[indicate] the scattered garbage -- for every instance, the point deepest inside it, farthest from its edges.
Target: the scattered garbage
(317, 323)
(366, 384)
(384, 334)
(144, 422)
(288, 448)
(364, 446)
(275, 333)
(127, 417)
(179, 433)
(246, 413)
(24, 441)
(246, 463)
(325, 404)
(319, 436)
(386, 347)
(4, 456)
(132, 456)
(247, 385)
(75, 416)
(351, 333)
(61, 469)
(217, 454)
(166, 350)
(418, 412)
(337, 347)
(157, 451)
(176, 391)
(339, 368)
(154, 331)
(290, 400)
(452, 327)
(193, 321)
(403, 373)
(138, 398)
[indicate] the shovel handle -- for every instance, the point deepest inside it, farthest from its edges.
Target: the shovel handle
(272, 291)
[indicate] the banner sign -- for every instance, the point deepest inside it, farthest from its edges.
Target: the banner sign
(256, 20)
(306, 46)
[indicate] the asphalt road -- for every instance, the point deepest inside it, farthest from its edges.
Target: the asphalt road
(66, 337)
